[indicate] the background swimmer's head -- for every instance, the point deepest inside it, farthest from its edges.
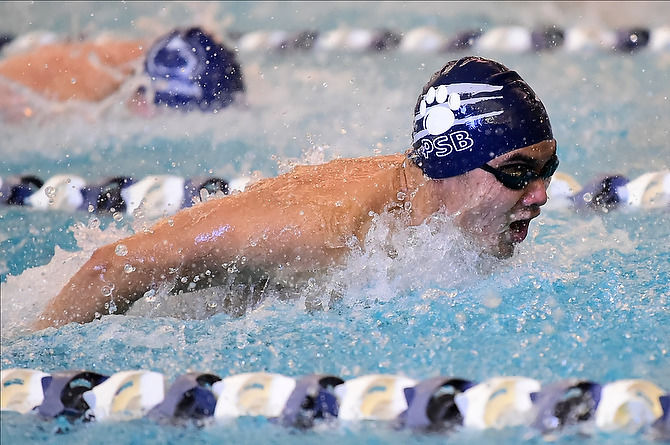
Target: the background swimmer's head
(471, 111)
(190, 70)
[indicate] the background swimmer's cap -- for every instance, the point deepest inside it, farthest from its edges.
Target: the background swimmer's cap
(190, 70)
(472, 111)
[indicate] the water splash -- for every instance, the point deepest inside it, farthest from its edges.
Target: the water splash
(25, 296)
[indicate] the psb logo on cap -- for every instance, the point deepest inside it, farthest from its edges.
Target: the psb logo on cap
(436, 115)
(470, 112)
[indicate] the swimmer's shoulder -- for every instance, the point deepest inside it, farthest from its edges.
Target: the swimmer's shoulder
(335, 174)
(350, 167)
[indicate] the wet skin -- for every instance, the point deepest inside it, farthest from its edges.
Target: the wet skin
(301, 222)
(84, 71)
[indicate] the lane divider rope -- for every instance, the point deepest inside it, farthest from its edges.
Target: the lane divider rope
(434, 404)
(163, 195)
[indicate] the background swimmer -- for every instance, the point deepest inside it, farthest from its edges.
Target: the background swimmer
(483, 152)
(186, 69)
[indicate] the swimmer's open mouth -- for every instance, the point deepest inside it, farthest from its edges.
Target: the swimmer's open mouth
(518, 230)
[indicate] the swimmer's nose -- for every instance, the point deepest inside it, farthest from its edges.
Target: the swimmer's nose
(535, 193)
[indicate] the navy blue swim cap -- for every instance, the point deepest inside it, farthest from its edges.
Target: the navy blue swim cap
(470, 112)
(190, 70)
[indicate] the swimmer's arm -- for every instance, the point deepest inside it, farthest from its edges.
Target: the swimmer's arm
(82, 71)
(203, 237)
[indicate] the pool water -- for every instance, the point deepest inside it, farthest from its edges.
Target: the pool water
(587, 295)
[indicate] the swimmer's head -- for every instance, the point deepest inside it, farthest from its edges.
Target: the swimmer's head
(191, 71)
(471, 111)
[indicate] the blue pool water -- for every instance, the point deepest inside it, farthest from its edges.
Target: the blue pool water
(587, 295)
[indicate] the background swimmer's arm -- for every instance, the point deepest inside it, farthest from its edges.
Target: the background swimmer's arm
(82, 71)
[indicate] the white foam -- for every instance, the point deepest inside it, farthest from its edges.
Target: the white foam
(24, 296)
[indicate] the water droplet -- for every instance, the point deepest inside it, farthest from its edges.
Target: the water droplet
(241, 341)
(184, 279)
(170, 222)
(128, 268)
(588, 197)
(73, 81)
(50, 192)
(401, 196)
(93, 223)
(106, 290)
(196, 278)
(112, 307)
(204, 195)
(121, 250)
(91, 209)
(338, 203)
(408, 206)
(150, 295)
(118, 216)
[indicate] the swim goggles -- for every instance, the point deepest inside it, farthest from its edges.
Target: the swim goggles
(519, 177)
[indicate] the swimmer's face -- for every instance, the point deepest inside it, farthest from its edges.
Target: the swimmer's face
(495, 215)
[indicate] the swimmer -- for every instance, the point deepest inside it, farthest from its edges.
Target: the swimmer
(185, 69)
(483, 152)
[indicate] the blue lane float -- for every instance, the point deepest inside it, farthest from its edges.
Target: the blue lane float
(163, 195)
(435, 404)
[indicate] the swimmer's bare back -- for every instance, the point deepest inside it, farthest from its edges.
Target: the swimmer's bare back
(85, 71)
(301, 220)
